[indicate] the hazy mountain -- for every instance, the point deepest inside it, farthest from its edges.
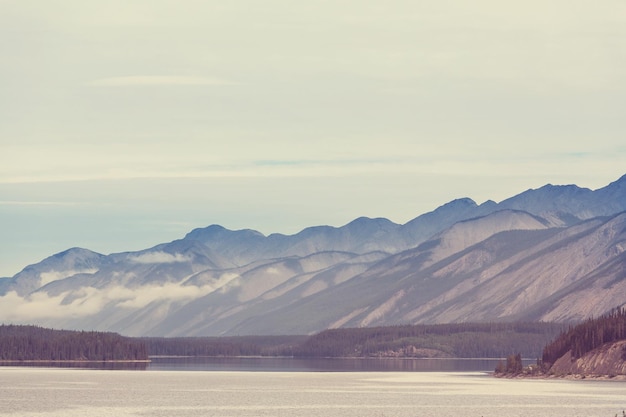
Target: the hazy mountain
(567, 204)
(554, 253)
(56, 267)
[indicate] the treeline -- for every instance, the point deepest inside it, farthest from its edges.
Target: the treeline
(587, 336)
(222, 346)
(468, 340)
(30, 343)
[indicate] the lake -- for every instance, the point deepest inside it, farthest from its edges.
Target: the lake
(269, 364)
(169, 390)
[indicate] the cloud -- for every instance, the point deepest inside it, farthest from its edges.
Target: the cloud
(40, 305)
(159, 80)
(39, 203)
(87, 301)
(243, 168)
(47, 277)
(169, 292)
(158, 258)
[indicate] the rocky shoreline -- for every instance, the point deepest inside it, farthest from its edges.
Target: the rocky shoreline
(606, 363)
(572, 377)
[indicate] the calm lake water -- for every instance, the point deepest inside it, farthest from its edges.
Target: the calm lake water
(167, 390)
(322, 365)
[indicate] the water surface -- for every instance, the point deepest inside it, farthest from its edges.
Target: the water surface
(47, 392)
(268, 364)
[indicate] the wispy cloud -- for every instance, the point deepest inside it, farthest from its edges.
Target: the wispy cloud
(42, 306)
(286, 168)
(158, 258)
(39, 203)
(88, 301)
(167, 292)
(481, 161)
(47, 277)
(159, 80)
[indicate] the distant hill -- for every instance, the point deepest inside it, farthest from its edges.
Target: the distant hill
(556, 253)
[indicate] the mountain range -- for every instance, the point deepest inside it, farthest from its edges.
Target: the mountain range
(556, 253)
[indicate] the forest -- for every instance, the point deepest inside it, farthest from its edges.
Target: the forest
(466, 340)
(32, 343)
(223, 346)
(586, 336)
(461, 340)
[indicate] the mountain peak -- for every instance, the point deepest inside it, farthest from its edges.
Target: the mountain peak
(215, 230)
(76, 251)
(564, 187)
(363, 221)
(461, 202)
(489, 203)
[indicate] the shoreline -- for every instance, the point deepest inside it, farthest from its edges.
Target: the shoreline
(75, 361)
(568, 377)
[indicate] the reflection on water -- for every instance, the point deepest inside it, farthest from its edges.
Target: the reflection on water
(267, 364)
(322, 365)
(111, 366)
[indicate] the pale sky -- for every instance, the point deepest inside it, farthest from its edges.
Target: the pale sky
(124, 124)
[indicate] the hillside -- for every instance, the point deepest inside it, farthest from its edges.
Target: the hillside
(607, 360)
(593, 348)
(556, 253)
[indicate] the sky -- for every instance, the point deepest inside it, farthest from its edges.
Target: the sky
(128, 123)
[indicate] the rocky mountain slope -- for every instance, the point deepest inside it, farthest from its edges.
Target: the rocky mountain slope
(555, 253)
(607, 360)
(595, 347)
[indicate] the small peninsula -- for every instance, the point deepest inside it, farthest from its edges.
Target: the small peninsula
(595, 348)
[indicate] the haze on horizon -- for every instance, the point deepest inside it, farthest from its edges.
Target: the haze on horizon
(127, 124)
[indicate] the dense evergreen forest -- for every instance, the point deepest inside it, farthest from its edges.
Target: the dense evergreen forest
(468, 340)
(445, 340)
(223, 346)
(465, 340)
(587, 336)
(28, 343)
